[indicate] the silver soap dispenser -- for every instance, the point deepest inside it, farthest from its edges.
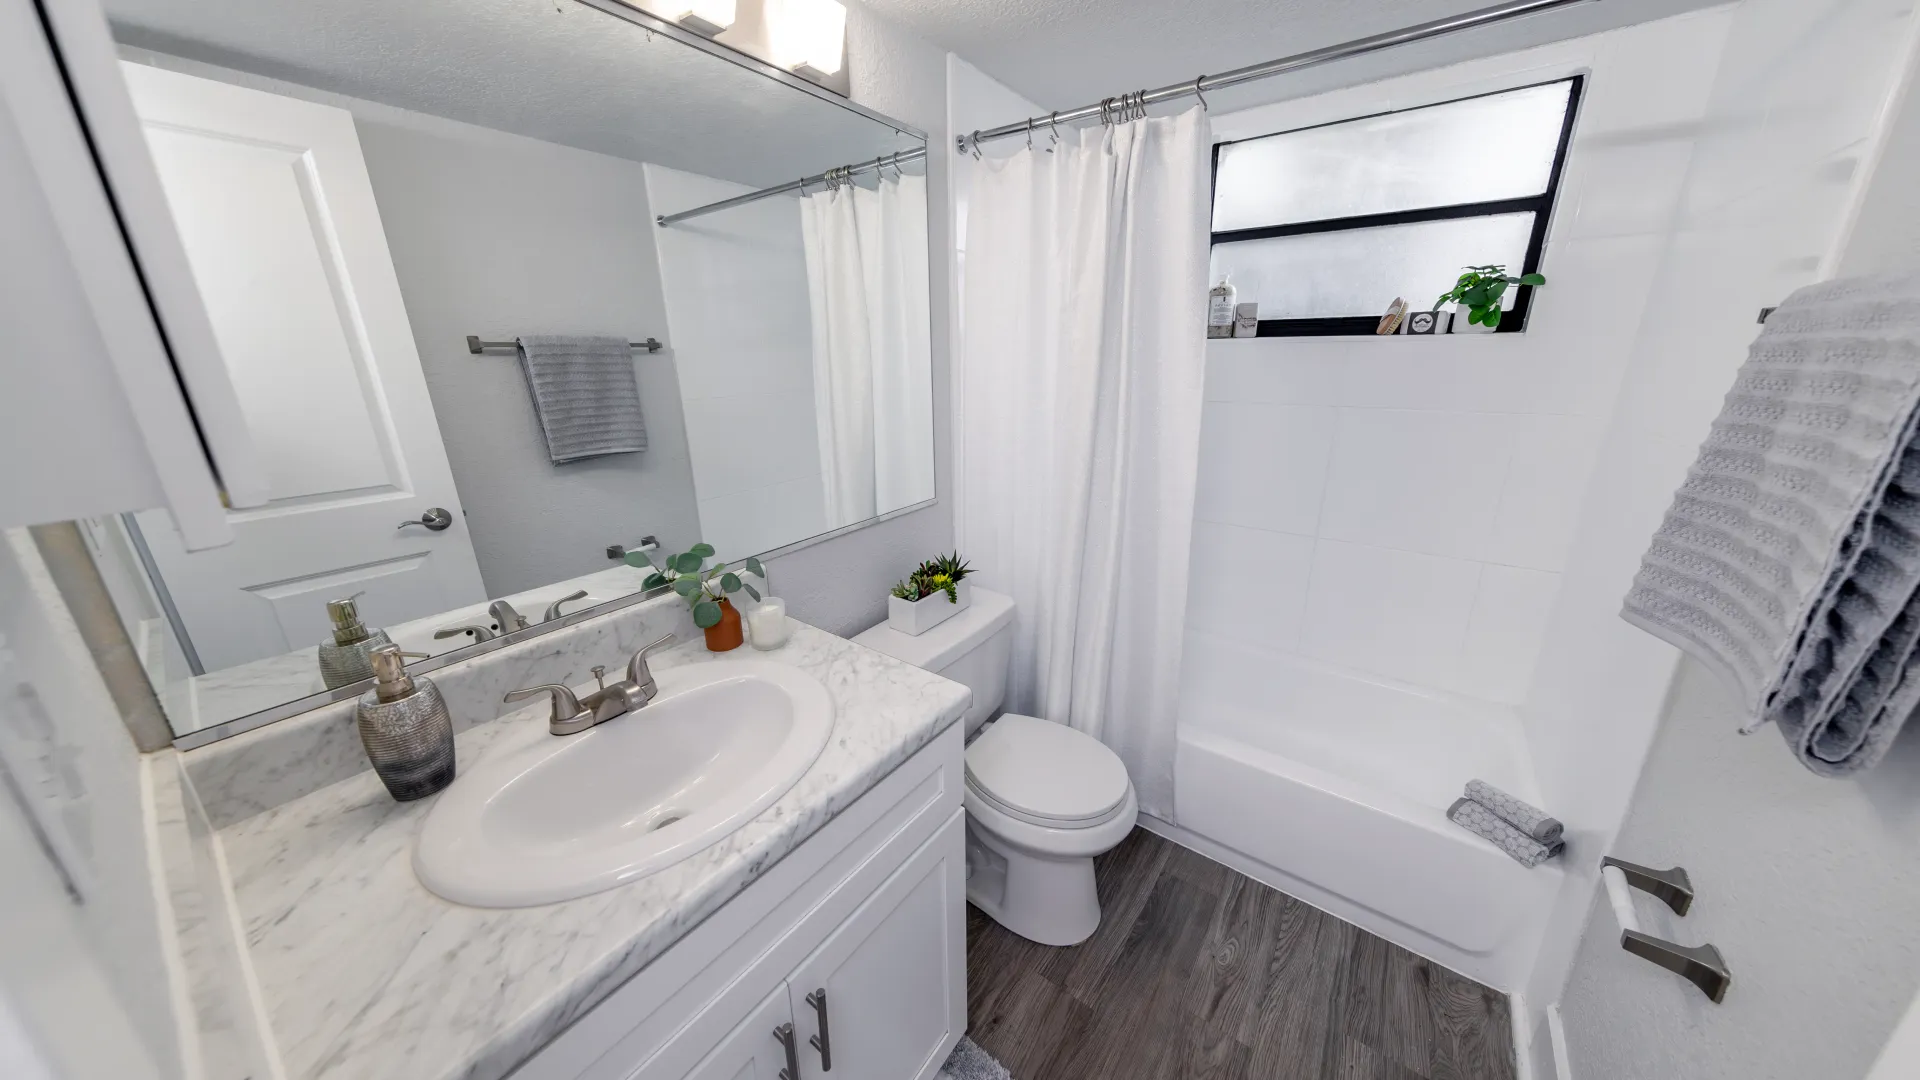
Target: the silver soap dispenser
(406, 728)
(345, 660)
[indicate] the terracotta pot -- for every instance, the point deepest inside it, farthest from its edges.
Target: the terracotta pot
(725, 635)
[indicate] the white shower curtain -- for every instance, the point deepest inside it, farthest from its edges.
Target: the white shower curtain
(1082, 362)
(872, 368)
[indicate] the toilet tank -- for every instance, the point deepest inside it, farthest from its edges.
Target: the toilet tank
(972, 648)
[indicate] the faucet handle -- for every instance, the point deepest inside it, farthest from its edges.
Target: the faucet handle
(637, 672)
(480, 633)
(565, 706)
(553, 609)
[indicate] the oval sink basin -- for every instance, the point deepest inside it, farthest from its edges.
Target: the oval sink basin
(577, 814)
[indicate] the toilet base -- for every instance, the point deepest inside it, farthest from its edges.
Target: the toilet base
(1044, 896)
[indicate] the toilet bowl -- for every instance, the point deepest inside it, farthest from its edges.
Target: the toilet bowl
(1042, 799)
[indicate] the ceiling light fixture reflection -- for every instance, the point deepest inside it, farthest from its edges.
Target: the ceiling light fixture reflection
(807, 35)
(707, 17)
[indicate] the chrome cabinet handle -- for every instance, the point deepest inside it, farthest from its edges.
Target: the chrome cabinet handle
(822, 1042)
(784, 1033)
(436, 519)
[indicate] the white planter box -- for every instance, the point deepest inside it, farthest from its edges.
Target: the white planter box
(916, 617)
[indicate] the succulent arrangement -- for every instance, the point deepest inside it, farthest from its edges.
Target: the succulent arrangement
(700, 586)
(937, 575)
(1480, 289)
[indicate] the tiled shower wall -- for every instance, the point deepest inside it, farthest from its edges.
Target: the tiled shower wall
(1403, 507)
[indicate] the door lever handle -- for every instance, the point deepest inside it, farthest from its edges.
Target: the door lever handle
(436, 519)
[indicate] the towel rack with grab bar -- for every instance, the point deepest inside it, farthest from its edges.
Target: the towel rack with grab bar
(476, 346)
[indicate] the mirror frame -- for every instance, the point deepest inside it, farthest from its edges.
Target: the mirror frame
(227, 729)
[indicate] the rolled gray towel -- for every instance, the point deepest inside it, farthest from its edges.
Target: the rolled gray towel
(1526, 817)
(1482, 822)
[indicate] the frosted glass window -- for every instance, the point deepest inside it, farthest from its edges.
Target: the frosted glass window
(1482, 149)
(1358, 272)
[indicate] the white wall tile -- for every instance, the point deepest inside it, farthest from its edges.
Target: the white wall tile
(1263, 466)
(1281, 371)
(1417, 481)
(1552, 460)
(1248, 584)
(1394, 613)
(1510, 614)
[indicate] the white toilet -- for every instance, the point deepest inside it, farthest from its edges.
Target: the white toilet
(1042, 799)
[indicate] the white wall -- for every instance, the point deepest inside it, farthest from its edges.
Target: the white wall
(1798, 90)
(1407, 505)
(736, 299)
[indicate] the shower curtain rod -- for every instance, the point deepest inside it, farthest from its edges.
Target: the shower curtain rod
(831, 176)
(1135, 103)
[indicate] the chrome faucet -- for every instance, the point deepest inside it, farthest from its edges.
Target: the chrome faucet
(480, 633)
(572, 714)
(509, 619)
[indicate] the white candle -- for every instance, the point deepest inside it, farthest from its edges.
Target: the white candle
(767, 624)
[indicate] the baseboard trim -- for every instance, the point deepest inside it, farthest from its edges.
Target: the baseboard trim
(1556, 1031)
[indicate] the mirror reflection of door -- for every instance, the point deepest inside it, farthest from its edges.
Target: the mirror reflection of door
(273, 202)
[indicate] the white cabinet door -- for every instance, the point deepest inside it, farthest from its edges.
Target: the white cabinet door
(757, 1049)
(273, 203)
(884, 998)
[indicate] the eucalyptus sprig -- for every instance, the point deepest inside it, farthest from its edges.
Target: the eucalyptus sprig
(702, 587)
(1480, 289)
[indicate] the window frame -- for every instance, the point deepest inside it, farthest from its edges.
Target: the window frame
(1514, 321)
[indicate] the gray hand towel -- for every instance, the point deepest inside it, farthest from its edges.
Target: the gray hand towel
(585, 395)
(1526, 817)
(1791, 555)
(1484, 823)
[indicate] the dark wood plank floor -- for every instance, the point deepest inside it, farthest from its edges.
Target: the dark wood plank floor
(1200, 973)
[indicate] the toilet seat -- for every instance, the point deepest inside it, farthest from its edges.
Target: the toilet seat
(1047, 774)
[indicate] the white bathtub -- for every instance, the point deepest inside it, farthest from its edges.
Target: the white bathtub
(1333, 787)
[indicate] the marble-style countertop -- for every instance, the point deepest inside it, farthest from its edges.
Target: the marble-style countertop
(365, 975)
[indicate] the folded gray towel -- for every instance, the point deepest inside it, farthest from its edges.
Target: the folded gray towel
(1484, 823)
(1526, 817)
(1791, 554)
(585, 394)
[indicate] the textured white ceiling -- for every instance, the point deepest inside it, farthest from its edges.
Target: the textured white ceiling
(547, 69)
(1066, 53)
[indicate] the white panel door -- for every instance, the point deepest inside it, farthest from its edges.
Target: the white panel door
(885, 996)
(756, 1050)
(274, 206)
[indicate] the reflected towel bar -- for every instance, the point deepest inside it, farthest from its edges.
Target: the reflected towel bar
(476, 346)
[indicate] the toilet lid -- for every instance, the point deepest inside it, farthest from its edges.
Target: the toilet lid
(1039, 770)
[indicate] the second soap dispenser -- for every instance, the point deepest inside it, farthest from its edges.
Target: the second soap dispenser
(406, 728)
(345, 659)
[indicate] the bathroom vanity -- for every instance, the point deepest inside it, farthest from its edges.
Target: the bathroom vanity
(823, 937)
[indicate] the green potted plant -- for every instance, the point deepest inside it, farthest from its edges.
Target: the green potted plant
(1478, 292)
(936, 591)
(705, 589)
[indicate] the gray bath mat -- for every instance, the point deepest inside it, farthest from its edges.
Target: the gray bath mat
(969, 1062)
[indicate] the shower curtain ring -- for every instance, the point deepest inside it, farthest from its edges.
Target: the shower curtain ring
(1029, 132)
(974, 142)
(1204, 107)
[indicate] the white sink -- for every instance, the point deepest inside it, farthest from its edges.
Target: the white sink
(577, 814)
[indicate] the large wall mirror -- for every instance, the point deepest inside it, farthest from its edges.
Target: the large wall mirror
(475, 361)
